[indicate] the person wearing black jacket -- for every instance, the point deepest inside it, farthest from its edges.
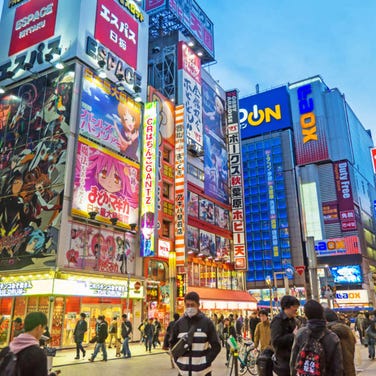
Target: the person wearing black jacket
(283, 328)
(126, 331)
(166, 340)
(101, 332)
(78, 335)
(205, 342)
(253, 321)
(228, 331)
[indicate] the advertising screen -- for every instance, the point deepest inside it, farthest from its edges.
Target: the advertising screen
(346, 274)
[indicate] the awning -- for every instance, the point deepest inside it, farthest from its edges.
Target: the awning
(224, 299)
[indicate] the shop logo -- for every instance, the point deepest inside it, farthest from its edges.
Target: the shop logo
(258, 116)
(307, 116)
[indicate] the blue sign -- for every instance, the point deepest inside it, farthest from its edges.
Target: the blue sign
(289, 270)
(265, 112)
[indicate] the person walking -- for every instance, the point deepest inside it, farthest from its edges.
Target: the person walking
(238, 325)
(157, 330)
(149, 334)
(253, 321)
(316, 350)
(359, 327)
(101, 332)
(262, 332)
(18, 327)
(126, 331)
(113, 329)
(228, 331)
(166, 340)
(370, 339)
(283, 327)
(78, 335)
(347, 339)
(246, 326)
(205, 343)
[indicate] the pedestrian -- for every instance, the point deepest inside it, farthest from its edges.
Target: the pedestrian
(166, 340)
(359, 327)
(238, 325)
(149, 334)
(220, 329)
(126, 331)
(367, 322)
(78, 334)
(18, 327)
(316, 349)
(282, 330)
(101, 333)
(205, 344)
(347, 339)
(262, 332)
(31, 359)
(113, 329)
(141, 328)
(157, 330)
(370, 339)
(228, 331)
(246, 326)
(253, 321)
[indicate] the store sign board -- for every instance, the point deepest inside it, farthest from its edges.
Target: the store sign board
(348, 245)
(352, 296)
(26, 288)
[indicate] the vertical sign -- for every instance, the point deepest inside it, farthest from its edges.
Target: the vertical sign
(373, 156)
(149, 180)
(344, 196)
(180, 286)
(236, 181)
(179, 186)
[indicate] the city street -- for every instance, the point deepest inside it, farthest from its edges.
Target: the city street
(158, 363)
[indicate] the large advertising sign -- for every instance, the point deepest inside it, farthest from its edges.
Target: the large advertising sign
(190, 66)
(34, 126)
(105, 183)
(106, 34)
(93, 248)
(149, 180)
(236, 181)
(265, 112)
(109, 116)
(344, 196)
(349, 245)
(373, 156)
(309, 123)
(180, 210)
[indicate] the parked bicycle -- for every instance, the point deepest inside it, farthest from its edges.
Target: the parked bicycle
(245, 355)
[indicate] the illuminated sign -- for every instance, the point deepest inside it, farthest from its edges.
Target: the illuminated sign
(26, 288)
(236, 182)
(337, 246)
(133, 9)
(373, 156)
(151, 292)
(164, 248)
(265, 112)
(149, 180)
(330, 212)
(307, 116)
(352, 296)
(180, 285)
(12, 3)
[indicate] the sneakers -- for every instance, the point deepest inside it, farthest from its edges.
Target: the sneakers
(76, 357)
(91, 360)
(83, 354)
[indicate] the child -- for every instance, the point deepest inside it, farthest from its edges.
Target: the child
(118, 347)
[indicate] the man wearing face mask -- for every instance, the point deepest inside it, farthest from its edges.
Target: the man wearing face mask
(205, 342)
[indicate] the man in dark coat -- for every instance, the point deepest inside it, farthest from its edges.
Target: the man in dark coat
(332, 361)
(126, 331)
(282, 333)
(101, 331)
(253, 321)
(347, 338)
(78, 335)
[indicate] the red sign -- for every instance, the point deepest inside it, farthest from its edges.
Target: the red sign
(117, 30)
(137, 286)
(373, 155)
(34, 22)
(300, 269)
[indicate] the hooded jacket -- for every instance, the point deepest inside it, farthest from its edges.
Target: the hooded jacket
(31, 359)
(330, 343)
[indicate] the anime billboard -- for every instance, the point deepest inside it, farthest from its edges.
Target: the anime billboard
(105, 183)
(101, 250)
(34, 123)
(207, 244)
(109, 116)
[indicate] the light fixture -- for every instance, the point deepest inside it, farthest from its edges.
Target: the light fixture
(191, 43)
(59, 65)
(200, 53)
(92, 214)
(2, 90)
(102, 73)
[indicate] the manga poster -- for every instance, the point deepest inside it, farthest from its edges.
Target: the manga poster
(109, 116)
(105, 183)
(193, 239)
(223, 248)
(207, 244)
(34, 125)
(192, 204)
(102, 250)
(206, 210)
(216, 169)
(221, 217)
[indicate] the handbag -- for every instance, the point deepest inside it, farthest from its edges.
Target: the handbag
(184, 344)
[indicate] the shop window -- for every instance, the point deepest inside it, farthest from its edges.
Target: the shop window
(167, 155)
(166, 190)
(166, 228)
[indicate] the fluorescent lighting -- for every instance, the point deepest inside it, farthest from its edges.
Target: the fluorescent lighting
(137, 98)
(2, 90)
(59, 65)
(191, 43)
(200, 53)
(102, 73)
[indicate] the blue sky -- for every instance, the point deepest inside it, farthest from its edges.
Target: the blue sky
(272, 42)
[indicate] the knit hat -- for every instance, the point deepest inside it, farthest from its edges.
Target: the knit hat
(313, 310)
(330, 315)
(192, 296)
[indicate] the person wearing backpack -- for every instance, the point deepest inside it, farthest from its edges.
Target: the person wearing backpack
(126, 331)
(101, 332)
(316, 350)
(23, 356)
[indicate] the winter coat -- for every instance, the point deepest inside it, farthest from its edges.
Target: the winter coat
(282, 335)
(101, 331)
(262, 335)
(126, 329)
(370, 335)
(331, 344)
(79, 331)
(31, 359)
(205, 345)
(149, 330)
(253, 321)
(347, 339)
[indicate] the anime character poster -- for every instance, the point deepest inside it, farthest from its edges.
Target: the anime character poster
(105, 183)
(221, 217)
(207, 244)
(97, 249)
(193, 239)
(223, 248)
(192, 204)
(109, 116)
(34, 124)
(216, 169)
(206, 210)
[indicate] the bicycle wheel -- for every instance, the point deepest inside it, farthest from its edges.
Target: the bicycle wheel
(251, 363)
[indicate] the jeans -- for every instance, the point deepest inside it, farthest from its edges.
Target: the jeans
(148, 342)
(98, 347)
(78, 348)
(371, 349)
(125, 348)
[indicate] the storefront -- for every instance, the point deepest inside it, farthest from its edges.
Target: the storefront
(62, 297)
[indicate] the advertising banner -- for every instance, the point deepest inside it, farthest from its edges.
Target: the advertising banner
(265, 112)
(206, 211)
(207, 244)
(344, 196)
(373, 156)
(348, 245)
(240, 256)
(105, 183)
(109, 116)
(223, 248)
(34, 126)
(330, 212)
(149, 180)
(101, 250)
(193, 239)
(192, 204)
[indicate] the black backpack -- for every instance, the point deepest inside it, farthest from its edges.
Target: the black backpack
(8, 363)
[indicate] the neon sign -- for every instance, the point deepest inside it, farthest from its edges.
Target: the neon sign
(307, 116)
